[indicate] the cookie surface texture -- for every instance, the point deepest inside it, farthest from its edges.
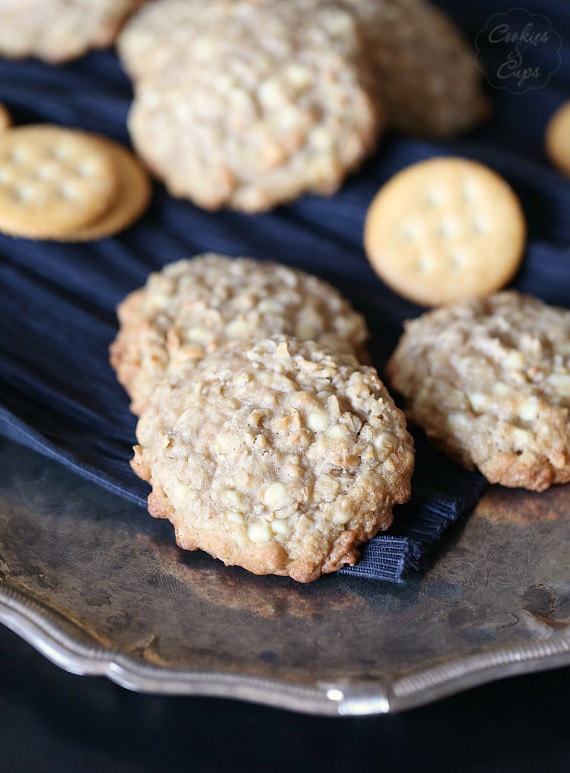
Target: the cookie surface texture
(53, 180)
(489, 380)
(426, 71)
(194, 306)
(445, 229)
(60, 30)
(558, 139)
(278, 456)
(251, 104)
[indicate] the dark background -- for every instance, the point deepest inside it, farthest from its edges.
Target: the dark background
(53, 721)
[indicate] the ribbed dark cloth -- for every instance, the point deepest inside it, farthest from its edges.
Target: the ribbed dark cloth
(58, 393)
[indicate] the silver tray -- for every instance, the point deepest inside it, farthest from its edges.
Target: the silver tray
(99, 587)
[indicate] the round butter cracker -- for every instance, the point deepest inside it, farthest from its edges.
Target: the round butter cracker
(488, 380)
(53, 180)
(558, 138)
(445, 229)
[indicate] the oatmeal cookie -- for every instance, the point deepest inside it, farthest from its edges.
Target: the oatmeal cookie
(427, 76)
(193, 306)
(60, 30)
(489, 380)
(279, 456)
(252, 103)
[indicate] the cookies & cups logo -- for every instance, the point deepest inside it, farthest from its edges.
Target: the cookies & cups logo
(518, 50)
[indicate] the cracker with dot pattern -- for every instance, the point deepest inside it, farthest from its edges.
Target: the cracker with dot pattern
(53, 180)
(445, 229)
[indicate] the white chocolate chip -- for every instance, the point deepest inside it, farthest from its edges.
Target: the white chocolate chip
(383, 444)
(270, 306)
(514, 359)
(478, 401)
(201, 335)
(276, 495)
(318, 421)
(259, 532)
(271, 93)
(234, 498)
(298, 75)
(528, 410)
(280, 526)
(238, 328)
(520, 437)
(322, 138)
(458, 423)
(560, 382)
(502, 389)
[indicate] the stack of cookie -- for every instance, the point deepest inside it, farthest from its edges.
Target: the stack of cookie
(270, 446)
(265, 442)
(250, 103)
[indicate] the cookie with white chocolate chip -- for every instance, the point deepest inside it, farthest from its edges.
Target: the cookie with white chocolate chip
(248, 104)
(59, 30)
(279, 456)
(193, 306)
(489, 381)
(426, 72)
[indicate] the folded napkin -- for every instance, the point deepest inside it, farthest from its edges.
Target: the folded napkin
(58, 394)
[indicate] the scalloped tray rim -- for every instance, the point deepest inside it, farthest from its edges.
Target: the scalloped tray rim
(40, 628)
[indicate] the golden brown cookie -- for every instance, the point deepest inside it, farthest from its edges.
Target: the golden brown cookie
(53, 180)
(249, 105)
(194, 306)
(489, 380)
(558, 138)
(278, 456)
(445, 229)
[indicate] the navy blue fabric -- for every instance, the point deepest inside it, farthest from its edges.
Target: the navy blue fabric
(58, 394)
